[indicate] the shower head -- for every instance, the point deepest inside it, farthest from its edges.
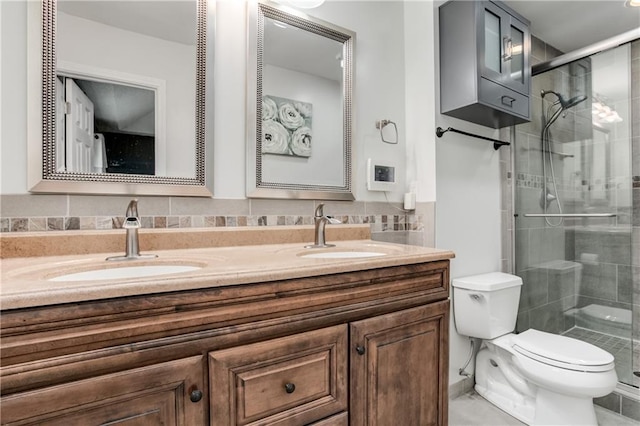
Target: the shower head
(562, 101)
(573, 101)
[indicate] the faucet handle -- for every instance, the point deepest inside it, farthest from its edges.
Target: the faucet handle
(333, 220)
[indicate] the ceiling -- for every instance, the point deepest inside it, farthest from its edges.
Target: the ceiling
(570, 25)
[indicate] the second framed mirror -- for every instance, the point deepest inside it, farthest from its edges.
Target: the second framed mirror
(299, 88)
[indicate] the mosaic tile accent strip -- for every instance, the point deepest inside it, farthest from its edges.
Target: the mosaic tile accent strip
(379, 223)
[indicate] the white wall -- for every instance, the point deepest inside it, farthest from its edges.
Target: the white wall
(468, 214)
(379, 89)
(13, 139)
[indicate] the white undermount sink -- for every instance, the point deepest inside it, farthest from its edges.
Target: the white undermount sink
(343, 254)
(125, 272)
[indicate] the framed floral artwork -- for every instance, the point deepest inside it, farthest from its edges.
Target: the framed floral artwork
(286, 126)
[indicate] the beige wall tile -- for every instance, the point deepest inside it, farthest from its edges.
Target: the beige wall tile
(28, 205)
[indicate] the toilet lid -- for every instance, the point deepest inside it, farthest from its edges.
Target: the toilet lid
(562, 351)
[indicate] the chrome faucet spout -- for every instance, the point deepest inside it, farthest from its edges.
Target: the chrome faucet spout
(132, 244)
(320, 221)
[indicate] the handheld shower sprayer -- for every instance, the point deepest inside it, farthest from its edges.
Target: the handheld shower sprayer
(553, 113)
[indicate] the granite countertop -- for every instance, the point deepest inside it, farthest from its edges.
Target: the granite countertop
(26, 280)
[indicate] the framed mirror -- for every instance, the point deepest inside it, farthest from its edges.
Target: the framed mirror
(118, 93)
(299, 103)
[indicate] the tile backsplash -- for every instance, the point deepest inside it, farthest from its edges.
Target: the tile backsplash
(28, 213)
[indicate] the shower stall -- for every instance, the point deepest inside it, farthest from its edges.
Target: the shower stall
(577, 223)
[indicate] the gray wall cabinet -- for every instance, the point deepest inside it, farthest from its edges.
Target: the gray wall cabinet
(484, 63)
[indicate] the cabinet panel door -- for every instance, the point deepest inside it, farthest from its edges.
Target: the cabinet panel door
(153, 395)
(518, 73)
(292, 380)
(492, 40)
(399, 368)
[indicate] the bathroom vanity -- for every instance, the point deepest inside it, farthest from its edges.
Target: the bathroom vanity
(257, 334)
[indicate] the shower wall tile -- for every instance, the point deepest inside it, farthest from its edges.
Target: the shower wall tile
(549, 318)
(538, 50)
(630, 408)
(552, 52)
(583, 301)
(545, 244)
(636, 207)
(563, 283)
(610, 402)
(598, 281)
(635, 149)
(625, 284)
(635, 49)
(522, 321)
(522, 250)
(534, 292)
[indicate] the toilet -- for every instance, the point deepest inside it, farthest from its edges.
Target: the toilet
(537, 377)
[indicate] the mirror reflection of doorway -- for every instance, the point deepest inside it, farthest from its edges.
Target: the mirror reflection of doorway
(108, 127)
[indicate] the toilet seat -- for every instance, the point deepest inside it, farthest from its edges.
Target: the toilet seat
(563, 352)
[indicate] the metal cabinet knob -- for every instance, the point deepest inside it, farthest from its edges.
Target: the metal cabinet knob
(360, 350)
(289, 387)
(196, 395)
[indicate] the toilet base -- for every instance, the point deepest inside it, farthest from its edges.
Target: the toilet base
(493, 386)
(530, 404)
(557, 409)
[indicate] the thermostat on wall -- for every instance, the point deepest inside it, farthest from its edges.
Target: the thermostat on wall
(381, 175)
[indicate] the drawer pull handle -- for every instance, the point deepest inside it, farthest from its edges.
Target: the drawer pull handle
(196, 395)
(289, 387)
(508, 100)
(360, 350)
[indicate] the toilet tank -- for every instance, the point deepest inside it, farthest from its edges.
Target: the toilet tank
(486, 306)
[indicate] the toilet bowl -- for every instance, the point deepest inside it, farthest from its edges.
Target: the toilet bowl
(539, 378)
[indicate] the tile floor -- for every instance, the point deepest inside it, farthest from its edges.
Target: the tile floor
(471, 409)
(620, 348)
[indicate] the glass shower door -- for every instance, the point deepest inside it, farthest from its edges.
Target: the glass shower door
(574, 207)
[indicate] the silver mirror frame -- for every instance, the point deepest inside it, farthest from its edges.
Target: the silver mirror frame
(256, 186)
(42, 174)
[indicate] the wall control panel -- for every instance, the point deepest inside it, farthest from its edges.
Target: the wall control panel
(381, 175)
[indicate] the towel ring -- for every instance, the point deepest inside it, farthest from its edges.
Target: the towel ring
(381, 124)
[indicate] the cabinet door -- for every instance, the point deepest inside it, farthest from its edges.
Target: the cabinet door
(399, 368)
(503, 48)
(293, 380)
(516, 56)
(163, 394)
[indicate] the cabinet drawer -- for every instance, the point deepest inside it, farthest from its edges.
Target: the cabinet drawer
(292, 380)
(167, 393)
(502, 98)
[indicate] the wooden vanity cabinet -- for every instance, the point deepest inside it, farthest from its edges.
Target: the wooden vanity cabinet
(358, 348)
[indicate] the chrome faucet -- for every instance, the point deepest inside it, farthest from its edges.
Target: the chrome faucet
(131, 225)
(320, 220)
